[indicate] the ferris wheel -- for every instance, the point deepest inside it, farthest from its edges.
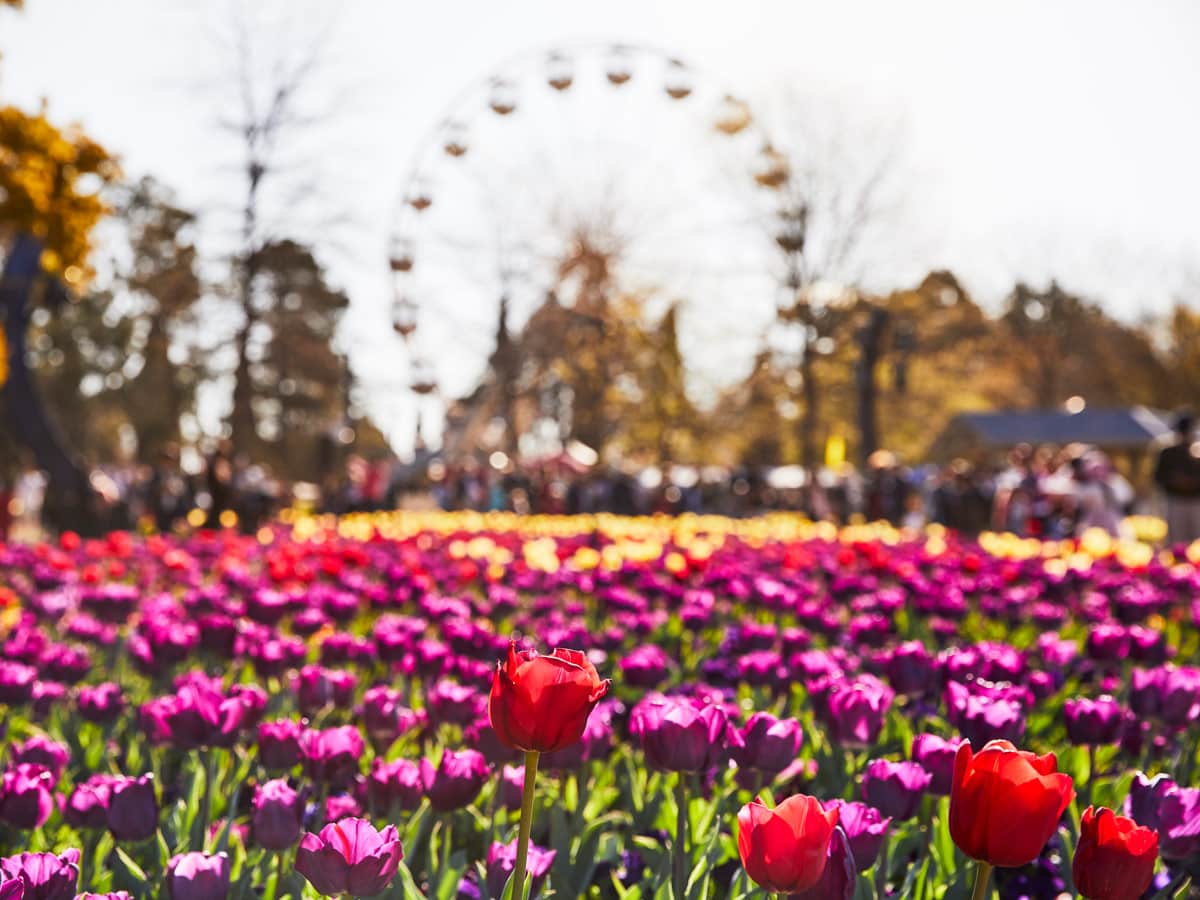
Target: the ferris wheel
(622, 151)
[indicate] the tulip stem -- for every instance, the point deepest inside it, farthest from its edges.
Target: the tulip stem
(881, 870)
(679, 846)
(1091, 751)
(983, 872)
(518, 876)
(210, 792)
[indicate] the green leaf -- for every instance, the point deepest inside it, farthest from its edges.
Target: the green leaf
(411, 891)
(130, 866)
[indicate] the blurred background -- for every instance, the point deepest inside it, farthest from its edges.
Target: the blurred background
(923, 263)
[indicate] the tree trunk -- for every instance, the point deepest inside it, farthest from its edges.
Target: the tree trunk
(70, 501)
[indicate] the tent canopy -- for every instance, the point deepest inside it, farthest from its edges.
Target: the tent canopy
(1133, 428)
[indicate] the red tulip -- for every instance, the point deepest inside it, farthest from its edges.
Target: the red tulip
(1005, 803)
(784, 849)
(542, 703)
(1115, 856)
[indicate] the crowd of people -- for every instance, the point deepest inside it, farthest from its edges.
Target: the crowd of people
(1044, 492)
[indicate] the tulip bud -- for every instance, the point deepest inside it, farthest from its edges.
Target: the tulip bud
(277, 814)
(395, 784)
(895, 788)
(279, 744)
(1005, 804)
(332, 755)
(351, 857)
(784, 850)
(678, 734)
(768, 744)
(41, 875)
(133, 809)
(1093, 722)
(26, 796)
(542, 703)
(102, 703)
(456, 781)
(198, 876)
(936, 756)
(866, 829)
(1114, 859)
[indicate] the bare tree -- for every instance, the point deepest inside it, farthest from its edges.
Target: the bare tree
(278, 105)
(834, 212)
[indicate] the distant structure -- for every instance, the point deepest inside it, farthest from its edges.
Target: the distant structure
(1129, 433)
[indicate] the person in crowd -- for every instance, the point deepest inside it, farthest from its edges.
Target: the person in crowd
(1097, 504)
(1177, 474)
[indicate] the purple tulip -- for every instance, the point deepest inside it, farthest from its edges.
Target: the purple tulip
(385, 718)
(102, 703)
(279, 744)
(43, 876)
(277, 814)
(65, 663)
(254, 702)
(910, 669)
(512, 787)
(26, 796)
(1055, 651)
(502, 859)
(1145, 798)
(342, 806)
(456, 781)
(865, 827)
(42, 751)
(1042, 684)
(197, 715)
(332, 755)
(768, 744)
(133, 808)
(1146, 690)
(1108, 643)
(981, 718)
(394, 784)
(936, 756)
(16, 683)
(1147, 645)
(761, 668)
(198, 876)
(1179, 825)
(46, 695)
(350, 856)
(453, 703)
(838, 879)
(680, 735)
(1171, 810)
(317, 687)
(1093, 722)
(340, 648)
(111, 895)
(855, 710)
(1180, 696)
(645, 666)
(895, 788)
(87, 807)
(12, 889)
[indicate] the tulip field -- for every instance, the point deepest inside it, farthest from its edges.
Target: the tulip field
(437, 705)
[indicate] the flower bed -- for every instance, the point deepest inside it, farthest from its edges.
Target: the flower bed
(304, 712)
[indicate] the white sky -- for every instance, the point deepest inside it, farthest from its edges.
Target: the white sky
(1042, 137)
